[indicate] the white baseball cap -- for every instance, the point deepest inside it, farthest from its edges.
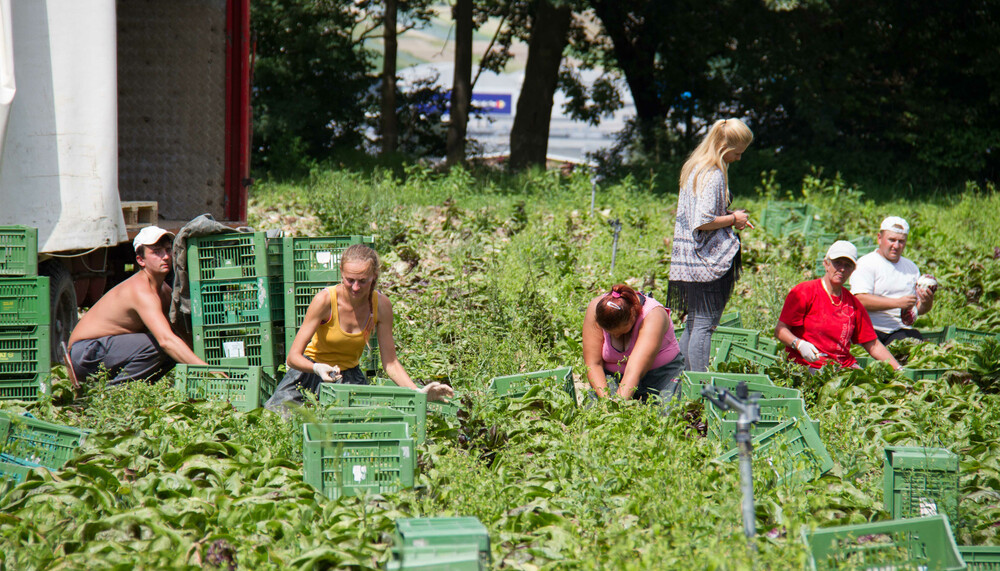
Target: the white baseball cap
(895, 224)
(149, 236)
(842, 249)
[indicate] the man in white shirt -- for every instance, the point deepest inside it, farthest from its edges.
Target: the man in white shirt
(886, 284)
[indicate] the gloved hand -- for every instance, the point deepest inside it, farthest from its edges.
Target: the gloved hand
(436, 391)
(808, 351)
(326, 372)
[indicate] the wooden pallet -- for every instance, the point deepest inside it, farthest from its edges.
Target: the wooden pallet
(139, 213)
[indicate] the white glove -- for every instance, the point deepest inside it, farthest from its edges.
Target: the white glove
(326, 372)
(436, 391)
(808, 351)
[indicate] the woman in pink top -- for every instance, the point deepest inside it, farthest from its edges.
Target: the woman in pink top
(628, 339)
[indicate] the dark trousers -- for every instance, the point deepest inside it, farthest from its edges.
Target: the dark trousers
(887, 338)
(126, 357)
(295, 381)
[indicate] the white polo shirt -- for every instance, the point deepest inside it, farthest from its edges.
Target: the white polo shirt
(878, 276)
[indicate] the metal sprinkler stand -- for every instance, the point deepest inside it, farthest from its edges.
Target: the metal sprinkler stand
(616, 225)
(749, 411)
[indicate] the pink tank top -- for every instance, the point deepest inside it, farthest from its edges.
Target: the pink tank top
(615, 360)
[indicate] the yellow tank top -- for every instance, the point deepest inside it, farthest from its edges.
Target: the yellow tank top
(332, 345)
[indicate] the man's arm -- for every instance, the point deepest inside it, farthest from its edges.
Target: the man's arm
(149, 306)
(874, 302)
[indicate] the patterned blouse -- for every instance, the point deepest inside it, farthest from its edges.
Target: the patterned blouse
(702, 255)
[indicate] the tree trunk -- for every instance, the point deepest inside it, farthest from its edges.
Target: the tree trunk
(461, 89)
(529, 137)
(635, 52)
(390, 122)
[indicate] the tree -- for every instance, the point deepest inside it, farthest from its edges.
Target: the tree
(390, 124)
(529, 137)
(310, 80)
(461, 89)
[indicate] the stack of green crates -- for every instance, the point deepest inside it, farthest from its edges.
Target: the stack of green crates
(920, 481)
(350, 459)
(26, 443)
(440, 543)
(246, 388)
(237, 300)
(399, 399)
(25, 362)
(311, 264)
(980, 557)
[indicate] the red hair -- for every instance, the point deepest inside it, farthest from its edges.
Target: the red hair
(618, 307)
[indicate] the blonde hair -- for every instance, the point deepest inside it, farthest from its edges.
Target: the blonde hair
(724, 135)
(359, 253)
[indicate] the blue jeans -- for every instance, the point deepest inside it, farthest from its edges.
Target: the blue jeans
(696, 341)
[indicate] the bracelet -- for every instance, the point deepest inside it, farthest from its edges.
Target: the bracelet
(795, 343)
(734, 219)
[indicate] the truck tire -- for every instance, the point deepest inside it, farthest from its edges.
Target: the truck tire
(62, 305)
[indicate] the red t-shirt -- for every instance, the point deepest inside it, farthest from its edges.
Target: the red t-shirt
(810, 315)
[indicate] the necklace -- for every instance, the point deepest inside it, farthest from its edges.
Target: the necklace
(840, 298)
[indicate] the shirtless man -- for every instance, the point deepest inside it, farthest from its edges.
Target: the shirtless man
(127, 331)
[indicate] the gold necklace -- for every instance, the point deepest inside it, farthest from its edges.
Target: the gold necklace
(840, 297)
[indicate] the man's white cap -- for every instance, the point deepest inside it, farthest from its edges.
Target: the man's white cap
(842, 249)
(149, 236)
(895, 224)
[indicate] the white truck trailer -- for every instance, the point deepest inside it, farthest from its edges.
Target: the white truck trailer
(114, 115)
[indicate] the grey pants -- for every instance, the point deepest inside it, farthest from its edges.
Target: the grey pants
(126, 357)
(660, 383)
(295, 381)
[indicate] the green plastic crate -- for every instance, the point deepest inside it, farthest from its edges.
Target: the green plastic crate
(924, 374)
(793, 447)
(980, 557)
(768, 345)
(37, 441)
(442, 532)
(298, 296)
(24, 301)
(439, 408)
(729, 351)
(918, 543)
(518, 385)
(244, 345)
(18, 251)
(402, 399)
(246, 388)
(919, 481)
(463, 557)
(368, 430)
(251, 301)
(773, 411)
(938, 336)
(316, 258)
(691, 381)
(25, 367)
(765, 390)
(343, 467)
(14, 473)
(372, 414)
(963, 335)
(731, 319)
(234, 256)
(735, 335)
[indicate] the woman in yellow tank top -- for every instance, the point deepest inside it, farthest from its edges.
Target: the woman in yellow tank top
(335, 330)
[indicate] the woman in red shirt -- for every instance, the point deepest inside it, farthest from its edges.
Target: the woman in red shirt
(820, 319)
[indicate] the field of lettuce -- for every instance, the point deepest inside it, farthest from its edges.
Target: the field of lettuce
(489, 275)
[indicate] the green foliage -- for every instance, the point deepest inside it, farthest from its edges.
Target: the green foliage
(310, 81)
(489, 276)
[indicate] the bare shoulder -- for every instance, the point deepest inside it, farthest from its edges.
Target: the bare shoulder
(384, 305)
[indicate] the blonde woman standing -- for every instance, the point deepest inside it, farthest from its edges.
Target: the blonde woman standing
(705, 262)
